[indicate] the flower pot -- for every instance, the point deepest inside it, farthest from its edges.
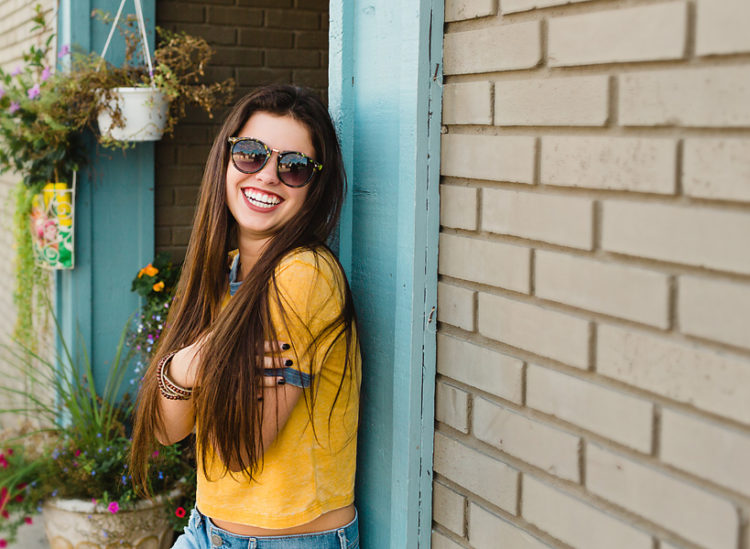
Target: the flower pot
(72, 523)
(51, 221)
(144, 114)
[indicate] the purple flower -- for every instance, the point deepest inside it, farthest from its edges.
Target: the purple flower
(16, 71)
(34, 91)
(64, 50)
(113, 507)
(46, 73)
(14, 106)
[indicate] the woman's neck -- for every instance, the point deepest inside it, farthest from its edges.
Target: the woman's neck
(250, 251)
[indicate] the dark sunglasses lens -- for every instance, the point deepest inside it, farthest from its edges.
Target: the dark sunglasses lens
(295, 170)
(248, 156)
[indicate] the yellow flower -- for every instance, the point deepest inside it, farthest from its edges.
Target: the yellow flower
(159, 286)
(148, 270)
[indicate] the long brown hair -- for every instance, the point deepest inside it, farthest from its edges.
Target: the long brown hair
(235, 335)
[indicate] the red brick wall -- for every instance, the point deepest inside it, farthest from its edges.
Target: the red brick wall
(256, 42)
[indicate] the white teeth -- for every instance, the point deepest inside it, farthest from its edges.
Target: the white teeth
(261, 200)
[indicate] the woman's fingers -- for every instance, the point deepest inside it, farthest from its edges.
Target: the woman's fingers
(276, 346)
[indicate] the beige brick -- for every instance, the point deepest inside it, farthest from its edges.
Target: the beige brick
(606, 412)
(575, 522)
(497, 158)
(721, 26)
(467, 103)
(531, 441)
(487, 530)
(458, 10)
(563, 220)
(441, 541)
(712, 381)
(569, 101)
(484, 261)
(452, 406)
(643, 33)
(538, 330)
(488, 370)
(685, 509)
(448, 508)
(498, 48)
(514, 6)
(479, 473)
(619, 163)
(704, 237)
(717, 168)
(699, 446)
(458, 207)
(703, 97)
(715, 309)
(613, 289)
(456, 305)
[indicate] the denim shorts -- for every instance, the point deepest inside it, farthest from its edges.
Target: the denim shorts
(201, 533)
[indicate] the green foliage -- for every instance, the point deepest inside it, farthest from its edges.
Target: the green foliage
(31, 281)
(83, 451)
(155, 283)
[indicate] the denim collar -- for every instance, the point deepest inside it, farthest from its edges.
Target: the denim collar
(233, 284)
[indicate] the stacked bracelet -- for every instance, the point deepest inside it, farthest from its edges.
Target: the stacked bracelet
(168, 388)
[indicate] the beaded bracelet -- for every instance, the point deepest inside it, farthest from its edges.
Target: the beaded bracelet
(168, 388)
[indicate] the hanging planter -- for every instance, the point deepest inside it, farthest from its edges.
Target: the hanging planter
(133, 113)
(142, 114)
(51, 224)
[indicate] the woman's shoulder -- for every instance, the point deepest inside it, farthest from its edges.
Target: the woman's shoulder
(311, 265)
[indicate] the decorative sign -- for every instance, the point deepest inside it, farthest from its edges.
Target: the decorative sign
(52, 225)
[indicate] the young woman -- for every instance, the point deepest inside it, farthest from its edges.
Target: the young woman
(260, 355)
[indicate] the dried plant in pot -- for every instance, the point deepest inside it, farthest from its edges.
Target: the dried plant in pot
(156, 91)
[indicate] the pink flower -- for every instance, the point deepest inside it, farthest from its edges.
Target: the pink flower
(3, 462)
(179, 512)
(2, 92)
(5, 513)
(64, 50)
(3, 543)
(14, 106)
(113, 507)
(16, 71)
(77, 453)
(155, 454)
(46, 73)
(34, 91)
(28, 520)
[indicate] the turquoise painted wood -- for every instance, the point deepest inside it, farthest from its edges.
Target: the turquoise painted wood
(385, 94)
(114, 213)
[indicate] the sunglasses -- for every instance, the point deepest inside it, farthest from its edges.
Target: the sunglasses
(250, 155)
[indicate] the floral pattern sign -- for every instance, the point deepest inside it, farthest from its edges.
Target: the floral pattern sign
(52, 226)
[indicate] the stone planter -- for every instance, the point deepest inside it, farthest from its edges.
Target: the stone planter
(74, 524)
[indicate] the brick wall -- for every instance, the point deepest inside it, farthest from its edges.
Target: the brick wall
(15, 38)
(594, 293)
(257, 42)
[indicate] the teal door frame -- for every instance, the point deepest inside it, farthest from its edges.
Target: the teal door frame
(385, 94)
(114, 213)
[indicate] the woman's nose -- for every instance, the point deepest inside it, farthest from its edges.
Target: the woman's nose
(269, 172)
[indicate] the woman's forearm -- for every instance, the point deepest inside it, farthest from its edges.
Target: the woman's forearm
(178, 416)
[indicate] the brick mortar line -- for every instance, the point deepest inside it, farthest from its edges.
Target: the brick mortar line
(571, 489)
(642, 132)
(612, 68)
(673, 336)
(445, 531)
(535, 14)
(605, 256)
(585, 375)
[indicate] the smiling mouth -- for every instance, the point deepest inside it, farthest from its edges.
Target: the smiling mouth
(261, 199)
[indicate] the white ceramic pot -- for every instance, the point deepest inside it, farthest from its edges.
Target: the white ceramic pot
(74, 523)
(144, 113)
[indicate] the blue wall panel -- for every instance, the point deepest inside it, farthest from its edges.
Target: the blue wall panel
(383, 55)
